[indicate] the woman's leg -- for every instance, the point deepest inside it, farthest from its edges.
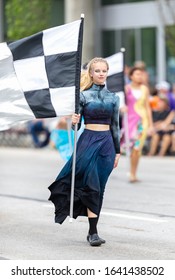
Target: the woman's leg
(155, 140)
(134, 161)
(103, 175)
(93, 237)
(173, 143)
(165, 144)
(93, 219)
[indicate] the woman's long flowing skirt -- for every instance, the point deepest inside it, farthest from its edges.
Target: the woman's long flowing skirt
(94, 162)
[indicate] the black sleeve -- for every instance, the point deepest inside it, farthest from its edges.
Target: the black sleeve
(115, 128)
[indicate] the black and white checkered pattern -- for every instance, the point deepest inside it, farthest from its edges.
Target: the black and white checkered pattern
(115, 79)
(37, 75)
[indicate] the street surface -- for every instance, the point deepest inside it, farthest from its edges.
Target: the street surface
(137, 220)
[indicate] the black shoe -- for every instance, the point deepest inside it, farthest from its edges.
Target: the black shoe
(101, 239)
(94, 239)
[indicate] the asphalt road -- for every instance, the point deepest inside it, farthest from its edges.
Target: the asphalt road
(137, 220)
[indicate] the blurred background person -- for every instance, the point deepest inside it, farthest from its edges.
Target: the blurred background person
(139, 119)
(62, 137)
(39, 132)
(164, 88)
(126, 74)
(171, 97)
(154, 99)
(145, 75)
(161, 138)
(172, 150)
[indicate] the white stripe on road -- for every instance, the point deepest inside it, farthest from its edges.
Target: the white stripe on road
(131, 217)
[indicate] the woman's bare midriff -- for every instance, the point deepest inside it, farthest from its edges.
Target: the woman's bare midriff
(97, 127)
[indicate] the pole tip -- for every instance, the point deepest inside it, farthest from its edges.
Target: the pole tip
(122, 49)
(82, 15)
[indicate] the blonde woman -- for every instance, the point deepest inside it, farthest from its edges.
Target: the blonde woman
(98, 151)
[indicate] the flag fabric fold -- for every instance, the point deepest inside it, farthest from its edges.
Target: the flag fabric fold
(115, 79)
(38, 75)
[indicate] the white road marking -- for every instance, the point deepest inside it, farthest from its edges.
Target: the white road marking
(130, 217)
(133, 217)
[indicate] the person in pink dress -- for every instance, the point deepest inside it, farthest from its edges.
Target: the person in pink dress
(139, 119)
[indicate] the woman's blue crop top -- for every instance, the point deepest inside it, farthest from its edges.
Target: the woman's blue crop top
(100, 106)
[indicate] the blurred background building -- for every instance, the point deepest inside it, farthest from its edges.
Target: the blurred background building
(146, 29)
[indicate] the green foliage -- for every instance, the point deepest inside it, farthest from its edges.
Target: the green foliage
(170, 39)
(26, 17)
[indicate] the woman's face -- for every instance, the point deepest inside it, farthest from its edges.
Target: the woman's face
(99, 73)
(137, 76)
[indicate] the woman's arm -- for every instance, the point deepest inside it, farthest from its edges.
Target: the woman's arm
(168, 120)
(117, 157)
(148, 108)
(76, 118)
(115, 130)
(151, 129)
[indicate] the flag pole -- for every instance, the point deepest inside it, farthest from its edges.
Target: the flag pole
(68, 120)
(77, 98)
(125, 116)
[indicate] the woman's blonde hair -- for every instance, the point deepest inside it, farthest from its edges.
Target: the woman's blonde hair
(86, 80)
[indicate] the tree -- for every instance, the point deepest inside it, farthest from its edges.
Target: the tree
(169, 29)
(170, 39)
(24, 18)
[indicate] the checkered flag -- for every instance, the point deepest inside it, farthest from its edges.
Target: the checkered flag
(40, 75)
(115, 79)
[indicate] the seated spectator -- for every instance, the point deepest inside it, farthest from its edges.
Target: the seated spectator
(161, 139)
(39, 132)
(171, 97)
(164, 88)
(154, 100)
(61, 138)
(172, 150)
